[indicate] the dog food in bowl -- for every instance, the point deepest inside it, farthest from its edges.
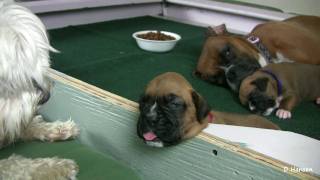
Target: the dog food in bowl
(156, 41)
(156, 36)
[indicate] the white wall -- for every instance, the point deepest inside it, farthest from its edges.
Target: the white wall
(307, 7)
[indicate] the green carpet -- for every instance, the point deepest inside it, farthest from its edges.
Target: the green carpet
(105, 55)
(93, 165)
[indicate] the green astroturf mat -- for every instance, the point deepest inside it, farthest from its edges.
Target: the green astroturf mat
(105, 55)
(92, 165)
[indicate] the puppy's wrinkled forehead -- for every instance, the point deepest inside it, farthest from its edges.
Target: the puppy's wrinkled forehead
(170, 83)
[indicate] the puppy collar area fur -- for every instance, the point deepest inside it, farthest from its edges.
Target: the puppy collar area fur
(262, 49)
(279, 83)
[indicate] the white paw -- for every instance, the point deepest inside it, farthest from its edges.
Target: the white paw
(64, 130)
(318, 100)
(283, 114)
(66, 169)
(19, 167)
(71, 168)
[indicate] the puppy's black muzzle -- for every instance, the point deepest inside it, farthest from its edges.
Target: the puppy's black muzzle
(261, 102)
(161, 116)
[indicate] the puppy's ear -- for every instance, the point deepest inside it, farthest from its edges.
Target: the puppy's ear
(202, 107)
(261, 83)
(216, 30)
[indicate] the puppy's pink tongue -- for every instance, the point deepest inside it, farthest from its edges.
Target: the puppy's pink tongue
(149, 136)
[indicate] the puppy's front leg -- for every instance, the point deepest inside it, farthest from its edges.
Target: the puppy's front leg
(197, 128)
(50, 131)
(286, 105)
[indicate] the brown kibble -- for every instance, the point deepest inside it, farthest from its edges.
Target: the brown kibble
(156, 36)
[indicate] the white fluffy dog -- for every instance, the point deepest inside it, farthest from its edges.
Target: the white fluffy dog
(24, 63)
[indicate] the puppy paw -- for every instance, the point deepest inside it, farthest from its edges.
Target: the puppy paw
(55, 168)
(283, 114)
(69, 169)
(19, 167)
(318, 100)
(63, 130)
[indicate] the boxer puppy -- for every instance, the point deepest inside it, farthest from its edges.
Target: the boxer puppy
(295, 39)
(280, 86)
(238, 69)
(171, 111)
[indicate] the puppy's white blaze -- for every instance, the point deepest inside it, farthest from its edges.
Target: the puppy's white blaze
(152, 111)
(223, 68)
(226, 70)
(232, 86)
(158, 144)
(153, 107)
(251, 106)
(262, 61)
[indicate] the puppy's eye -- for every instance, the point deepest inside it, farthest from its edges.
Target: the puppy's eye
(227, 52)
(171, 97)
(227, 55)
(175, 104)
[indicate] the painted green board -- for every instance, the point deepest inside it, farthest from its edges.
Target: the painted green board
(111, 129)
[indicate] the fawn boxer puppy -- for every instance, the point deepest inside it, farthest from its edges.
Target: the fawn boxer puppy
(280, 86)
(171, 111)
(294, 39)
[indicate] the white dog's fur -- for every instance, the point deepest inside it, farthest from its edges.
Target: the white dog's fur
(24, 64)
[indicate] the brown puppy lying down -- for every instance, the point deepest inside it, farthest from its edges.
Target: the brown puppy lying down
(280, 86)
(171, 111)
(294, 39)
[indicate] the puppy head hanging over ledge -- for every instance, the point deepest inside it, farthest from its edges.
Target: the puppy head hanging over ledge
(170, 111)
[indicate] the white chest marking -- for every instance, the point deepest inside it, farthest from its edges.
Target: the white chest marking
(262, 61)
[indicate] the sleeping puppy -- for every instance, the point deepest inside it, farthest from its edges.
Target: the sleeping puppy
(295, 39)
(237, 69)
(280, 86)
(232, 68)
(171, 111)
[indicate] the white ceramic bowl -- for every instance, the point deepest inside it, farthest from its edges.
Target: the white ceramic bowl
(155, 45)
